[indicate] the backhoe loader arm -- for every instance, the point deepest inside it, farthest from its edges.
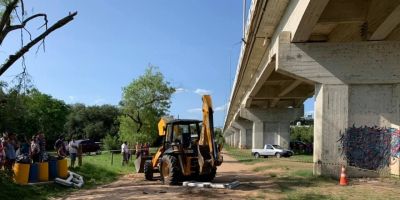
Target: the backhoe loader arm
(207, 132)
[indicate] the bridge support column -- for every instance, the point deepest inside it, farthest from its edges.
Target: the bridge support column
(235, 136)
(357, 83)
(271, 125)
(245, 127)
(338, 107)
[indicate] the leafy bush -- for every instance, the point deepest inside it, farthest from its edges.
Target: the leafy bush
(302, 133)
(111, 142)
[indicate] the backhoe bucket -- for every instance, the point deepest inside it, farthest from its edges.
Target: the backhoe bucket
(139, 163)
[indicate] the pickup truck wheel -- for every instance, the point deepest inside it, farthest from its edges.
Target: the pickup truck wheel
(278, 155)
(256, 155)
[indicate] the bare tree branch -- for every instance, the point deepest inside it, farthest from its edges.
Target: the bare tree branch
(13, 58)
(137, 120)
(152, 101)
(5, 19)
(8, 29)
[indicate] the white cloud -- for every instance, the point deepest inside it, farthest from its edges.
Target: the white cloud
(99, 101)
(202, 91)
(180, 90)
(71, 98)
(221, 108)
(195, 110)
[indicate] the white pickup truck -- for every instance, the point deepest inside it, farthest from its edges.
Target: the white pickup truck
(272, 150)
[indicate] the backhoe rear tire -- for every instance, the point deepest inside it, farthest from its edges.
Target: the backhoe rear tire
(170, 170)
(148, 171)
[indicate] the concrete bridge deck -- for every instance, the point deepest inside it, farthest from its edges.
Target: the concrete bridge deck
(345, 53)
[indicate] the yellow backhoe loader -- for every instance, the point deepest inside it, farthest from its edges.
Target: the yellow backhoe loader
(188, 152)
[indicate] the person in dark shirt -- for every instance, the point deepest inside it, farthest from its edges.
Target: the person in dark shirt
(35, 149)
(60, 147)
(42, 146)
(10, 146)
(24, 149)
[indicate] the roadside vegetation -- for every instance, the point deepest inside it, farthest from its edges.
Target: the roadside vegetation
(96, 170)
(292, 178)
(245, 156)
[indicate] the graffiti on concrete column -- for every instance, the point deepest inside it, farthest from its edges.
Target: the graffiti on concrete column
(395, 145)
(370, 147)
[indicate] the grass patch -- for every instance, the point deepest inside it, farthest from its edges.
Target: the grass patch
(292, 183)
(242, 155)
(96, 170)
(303, 158)
(303, 173)
(266, 167)
(309, 196)
(245, 156)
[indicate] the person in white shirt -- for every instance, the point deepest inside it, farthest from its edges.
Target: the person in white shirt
(73, 150)
(125, 152)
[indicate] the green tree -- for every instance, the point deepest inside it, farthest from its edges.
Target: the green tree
(46, 114)
(111, 142)
(219, 137)
(28, 113)
(144, 101)
(93, 122)
(302, 133)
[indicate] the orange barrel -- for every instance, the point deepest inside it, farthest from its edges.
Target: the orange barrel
(43, 171)
(21, 173)
(62, 168)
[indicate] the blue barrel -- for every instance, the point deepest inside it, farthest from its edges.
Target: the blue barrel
(34, 173)
(52, 169)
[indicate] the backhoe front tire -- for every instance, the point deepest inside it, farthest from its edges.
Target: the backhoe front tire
(148, 171)
(208, 177)
(170, 170)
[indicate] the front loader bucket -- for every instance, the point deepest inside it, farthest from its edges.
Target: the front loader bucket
(139, 163)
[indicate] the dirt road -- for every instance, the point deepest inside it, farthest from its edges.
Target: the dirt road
(135, 187)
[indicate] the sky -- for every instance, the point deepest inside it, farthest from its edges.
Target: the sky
(195, 44)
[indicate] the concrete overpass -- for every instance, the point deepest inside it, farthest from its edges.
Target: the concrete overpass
(345, 53)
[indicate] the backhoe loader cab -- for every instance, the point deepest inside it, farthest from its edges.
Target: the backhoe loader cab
(188, 150)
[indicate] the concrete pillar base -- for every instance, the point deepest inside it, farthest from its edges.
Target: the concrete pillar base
(338, 107)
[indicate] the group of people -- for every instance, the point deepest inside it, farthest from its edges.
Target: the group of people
(140, 150)
(27, 151)
(63, 151)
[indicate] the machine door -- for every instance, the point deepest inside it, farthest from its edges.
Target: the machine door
(269, 151)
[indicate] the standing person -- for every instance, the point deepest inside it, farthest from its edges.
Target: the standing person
(73, 150)
(60, 147)
(137, 149)
(42, 145)
(141, 149)
(59, 142)
(35, 149)
(10, 152)
(24, 149)
(147, 148)
(124, 151)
